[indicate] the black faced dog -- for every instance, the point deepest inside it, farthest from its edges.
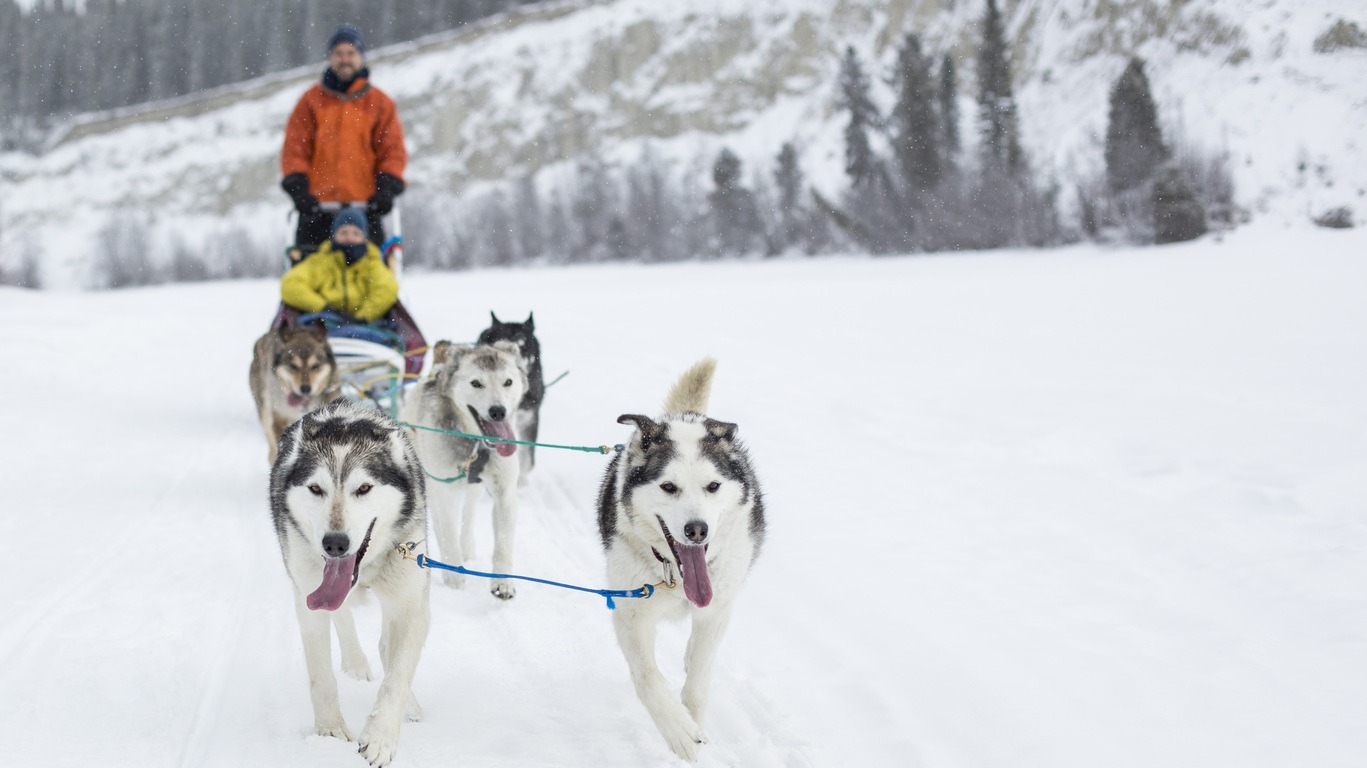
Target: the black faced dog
(529, 410)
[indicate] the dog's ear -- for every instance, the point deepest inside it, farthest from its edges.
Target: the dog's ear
(318, 329)
(441, 352)
(494, 317)
(531, 325)
(720, 430)
(310, 426)
(650, 431)
(285, 331)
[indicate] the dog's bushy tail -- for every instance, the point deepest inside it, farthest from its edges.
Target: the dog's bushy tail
(692, 391)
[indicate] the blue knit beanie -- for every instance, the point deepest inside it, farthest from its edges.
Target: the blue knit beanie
(351, 216)
(347, 34)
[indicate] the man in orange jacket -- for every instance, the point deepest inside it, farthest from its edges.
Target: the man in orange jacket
(343, 144)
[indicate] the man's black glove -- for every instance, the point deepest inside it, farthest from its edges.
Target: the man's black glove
(387, 188)
(297, 186)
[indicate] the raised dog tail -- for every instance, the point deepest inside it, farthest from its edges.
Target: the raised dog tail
(692, 391)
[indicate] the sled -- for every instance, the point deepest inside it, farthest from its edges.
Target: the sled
(376, 359)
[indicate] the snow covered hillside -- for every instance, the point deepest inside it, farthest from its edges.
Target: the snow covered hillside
(1268, 81)
(1090, 507)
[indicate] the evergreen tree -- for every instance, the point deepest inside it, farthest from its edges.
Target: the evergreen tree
(734, 210)
(915, 122)
(854, 96)
(999, 131)
(788, 178)
(788, 182)
(1134, 142)
(949, 112)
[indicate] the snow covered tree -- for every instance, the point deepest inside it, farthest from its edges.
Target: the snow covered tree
(1134, 142)
(998, 127)
(949, 112)
(916, 127)
(854, 96)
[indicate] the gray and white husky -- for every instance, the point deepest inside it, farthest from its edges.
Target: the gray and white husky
(474, 390)
(681, 503)
(346, 491)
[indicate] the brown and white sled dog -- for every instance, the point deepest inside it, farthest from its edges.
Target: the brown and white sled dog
(681, 503)
(474, 390)
(293, 372)
(345, 493)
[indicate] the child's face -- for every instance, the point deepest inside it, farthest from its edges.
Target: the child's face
(348, 234)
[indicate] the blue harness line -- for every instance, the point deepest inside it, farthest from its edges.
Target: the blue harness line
(423, 561)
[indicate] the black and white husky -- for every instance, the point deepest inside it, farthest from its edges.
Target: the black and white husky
(345, 492)
(473, 390)
(681, 503)
(528, 419)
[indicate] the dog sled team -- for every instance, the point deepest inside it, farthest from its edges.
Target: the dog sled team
(340, 392)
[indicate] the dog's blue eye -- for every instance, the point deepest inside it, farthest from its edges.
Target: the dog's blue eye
(713, 486)
(315, 489)
(669, 488)
(364, 489)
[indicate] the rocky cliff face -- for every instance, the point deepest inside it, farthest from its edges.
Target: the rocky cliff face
(1275, 83)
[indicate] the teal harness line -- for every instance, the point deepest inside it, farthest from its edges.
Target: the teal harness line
(444, 479)
(423, 561)
(619, 447)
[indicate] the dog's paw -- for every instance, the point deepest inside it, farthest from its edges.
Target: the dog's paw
(378, 745)
(356, 668)
(453, 580)
(413, 712)
(503, 589)
(334, 728)
(684, 736)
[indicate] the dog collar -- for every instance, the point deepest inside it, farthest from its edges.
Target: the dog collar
(668, 579)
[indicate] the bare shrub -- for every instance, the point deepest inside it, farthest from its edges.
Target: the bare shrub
(1336, 218)
(122, 260)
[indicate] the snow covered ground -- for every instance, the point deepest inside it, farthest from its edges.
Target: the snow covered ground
(1090, 507)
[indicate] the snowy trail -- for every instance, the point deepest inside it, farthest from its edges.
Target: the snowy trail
(1027, 509)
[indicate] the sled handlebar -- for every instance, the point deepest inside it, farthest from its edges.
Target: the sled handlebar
(335, 207)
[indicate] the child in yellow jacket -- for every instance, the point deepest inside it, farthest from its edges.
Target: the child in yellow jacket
(346, 274)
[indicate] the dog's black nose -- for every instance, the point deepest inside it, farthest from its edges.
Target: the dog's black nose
(335, 544)
(304, 389)
(497, 412)
(695, 531)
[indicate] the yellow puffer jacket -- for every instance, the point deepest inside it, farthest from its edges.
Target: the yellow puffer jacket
(366, 289)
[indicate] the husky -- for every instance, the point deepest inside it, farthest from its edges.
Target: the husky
(680, 503)
(346, 492)
(293, 372)
(529, 410)
(473, 390)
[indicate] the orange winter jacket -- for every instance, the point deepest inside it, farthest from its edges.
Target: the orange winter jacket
(342, 140)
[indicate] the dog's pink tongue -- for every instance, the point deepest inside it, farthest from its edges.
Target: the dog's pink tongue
(296, 401)
(504, 430)
(697, 584)
(330, 595)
